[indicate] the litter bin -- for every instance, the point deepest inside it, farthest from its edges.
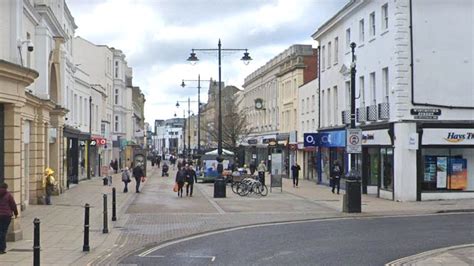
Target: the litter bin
(219, 188)
(351, 202)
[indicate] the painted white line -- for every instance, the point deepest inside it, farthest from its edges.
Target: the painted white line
(430, 253)
(213, 203)
(151, 250)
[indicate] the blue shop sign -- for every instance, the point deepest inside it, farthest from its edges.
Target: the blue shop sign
(310, 139)
(332, 139)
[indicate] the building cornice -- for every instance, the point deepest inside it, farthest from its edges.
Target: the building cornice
(50, 18)
(336, 18)
(26, 76)
(30, 12)
(69, 15)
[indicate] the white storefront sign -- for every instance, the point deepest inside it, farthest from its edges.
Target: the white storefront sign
(413, 141)
(444, 136)
(376, 137)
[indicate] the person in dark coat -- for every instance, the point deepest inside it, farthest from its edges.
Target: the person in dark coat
(138, 174)
(190, 178)
(252, 167)
(7, 210)
(336, 173)
(180, 178)
(295, 172)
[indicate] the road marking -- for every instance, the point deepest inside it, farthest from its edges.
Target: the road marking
(213, 203)
(430, 253)
(212, 258)
(173, 242)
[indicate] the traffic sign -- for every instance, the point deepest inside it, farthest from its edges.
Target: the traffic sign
(354, 140)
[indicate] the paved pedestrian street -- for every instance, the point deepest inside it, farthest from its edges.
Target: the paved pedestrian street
(156, 216)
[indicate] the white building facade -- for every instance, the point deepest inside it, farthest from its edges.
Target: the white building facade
(414, 96)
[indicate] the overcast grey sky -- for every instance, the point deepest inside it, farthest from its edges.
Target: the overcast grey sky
(158, 35)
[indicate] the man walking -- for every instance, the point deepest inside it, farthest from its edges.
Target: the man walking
(336, 173)
(295, 171)
(261, 169)
(138, 174)
(190, 178)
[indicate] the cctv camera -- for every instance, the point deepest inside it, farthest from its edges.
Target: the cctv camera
(30, 45)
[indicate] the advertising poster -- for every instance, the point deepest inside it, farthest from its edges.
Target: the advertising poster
(441, 172)
(430, 169)
(458, 178)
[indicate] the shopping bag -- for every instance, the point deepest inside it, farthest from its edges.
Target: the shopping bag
(175, 188)
(143, 178)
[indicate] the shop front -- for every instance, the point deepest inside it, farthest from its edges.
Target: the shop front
(75, 155)
(446, 166)
(377, 163)
(332, 148)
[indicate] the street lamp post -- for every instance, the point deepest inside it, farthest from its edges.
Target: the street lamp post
(187, 126)
(199, 109)
(90, 140)
(219, 190)
(352, 198)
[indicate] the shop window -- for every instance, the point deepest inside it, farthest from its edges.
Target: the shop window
(373, 169)
(448, 169)
(386, 168)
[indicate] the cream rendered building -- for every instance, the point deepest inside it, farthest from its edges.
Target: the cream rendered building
(32, 106)
(276, 85)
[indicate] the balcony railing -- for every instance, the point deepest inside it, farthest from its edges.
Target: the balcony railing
(361, 114)
(346, 117)
(372, 113)
(384, 111)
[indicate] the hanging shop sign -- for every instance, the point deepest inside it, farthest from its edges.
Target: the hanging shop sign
(445, 136)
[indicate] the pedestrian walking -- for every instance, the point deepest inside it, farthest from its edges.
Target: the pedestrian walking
(190, 178)
(48, 184)
(261, 169)
(158, 161)
(295, 172)
(7, 210)
(125, 179)
(252, 167)
(336, 173)
(180, 178)
(110, 173)
(115, 167)
(138, 175)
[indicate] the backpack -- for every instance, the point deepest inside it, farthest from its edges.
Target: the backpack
(125, 176)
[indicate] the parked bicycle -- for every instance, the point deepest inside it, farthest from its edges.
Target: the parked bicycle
(248, 186)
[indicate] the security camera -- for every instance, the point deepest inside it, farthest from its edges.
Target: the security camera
(30, 46)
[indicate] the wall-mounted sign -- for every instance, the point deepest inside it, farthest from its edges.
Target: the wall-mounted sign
(425, 113)
(376, 137)
(445, 136)
(413, 141)
(252, 141)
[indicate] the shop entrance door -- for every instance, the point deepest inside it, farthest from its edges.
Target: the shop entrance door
(386, 172)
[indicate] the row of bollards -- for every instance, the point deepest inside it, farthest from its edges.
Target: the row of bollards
(85, 247)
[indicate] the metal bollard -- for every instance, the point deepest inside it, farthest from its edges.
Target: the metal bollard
(86, 247)
(114, 205)
(36, 242)
(105, 230)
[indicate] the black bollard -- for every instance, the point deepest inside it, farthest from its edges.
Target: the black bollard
(114, 205)
(86, 247)
(105, 230)
(36, 242)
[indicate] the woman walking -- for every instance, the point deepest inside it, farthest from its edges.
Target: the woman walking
(180, 178)
(7, 208)
(125, 179)
(138, 174)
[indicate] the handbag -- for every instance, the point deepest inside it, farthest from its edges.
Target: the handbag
(143, 178)
(175, 188)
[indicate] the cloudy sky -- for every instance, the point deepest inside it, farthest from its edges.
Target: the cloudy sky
(158, 35)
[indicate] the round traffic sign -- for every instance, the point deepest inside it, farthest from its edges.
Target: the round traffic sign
(354, 139)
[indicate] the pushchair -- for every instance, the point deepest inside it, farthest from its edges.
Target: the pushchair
(164, 170)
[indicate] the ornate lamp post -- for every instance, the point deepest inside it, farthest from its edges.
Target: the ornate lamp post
(219, 185)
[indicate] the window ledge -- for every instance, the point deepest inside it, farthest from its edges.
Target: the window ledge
(348, 52)
(372, 39)
(383, 33)
(360, 46)
(335, 63)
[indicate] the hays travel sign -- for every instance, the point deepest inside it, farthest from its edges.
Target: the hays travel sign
(444, 136)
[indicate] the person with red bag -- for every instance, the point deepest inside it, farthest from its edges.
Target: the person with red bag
(139, 176)
(180, 178)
